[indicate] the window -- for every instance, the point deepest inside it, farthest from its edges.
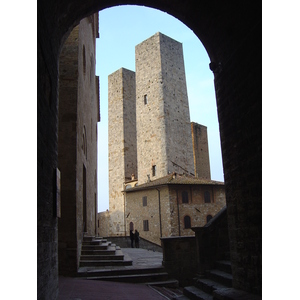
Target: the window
(208, 218)
(145, 99)
(146, 225)
(187, 222)
(153, 170)
(130, 226)
(145, 201)
(206, 197)
(185, 197)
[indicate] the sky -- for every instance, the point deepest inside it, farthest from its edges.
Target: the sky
(121, 28)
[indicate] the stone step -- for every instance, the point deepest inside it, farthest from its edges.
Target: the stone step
(223, 265)
(119, 271)
(220, 277)
(194, 293)
(87, 238)
(114, 256)
(169, 292)
(98, 252)
(208, 285)
(134, 278)
(94, 242)
(104, 263)
(103, 246)
(171, 283)
(233, 294)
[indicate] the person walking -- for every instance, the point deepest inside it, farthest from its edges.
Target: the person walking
(132, 237)
(137, 239)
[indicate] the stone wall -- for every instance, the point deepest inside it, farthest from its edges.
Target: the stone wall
(77, 143)
(212, 242)
(121, 143)
(87, 118)
(179, 258)
(137, 213)
(67, 137)
(200, 150)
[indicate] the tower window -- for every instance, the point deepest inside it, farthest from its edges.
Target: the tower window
(145, 201)
(187, 222)
(154, 170)
(145, 99)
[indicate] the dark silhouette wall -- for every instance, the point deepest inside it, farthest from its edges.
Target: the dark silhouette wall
(231, 33)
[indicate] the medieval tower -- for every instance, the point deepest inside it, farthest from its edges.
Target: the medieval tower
(163, 119)
(149, 132)
(121, 143)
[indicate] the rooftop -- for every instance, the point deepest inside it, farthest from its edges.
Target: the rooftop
(174, 179)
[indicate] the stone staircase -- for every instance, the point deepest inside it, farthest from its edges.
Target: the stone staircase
(216, 284)
(102, 260)
(98, 252)
(206, 286)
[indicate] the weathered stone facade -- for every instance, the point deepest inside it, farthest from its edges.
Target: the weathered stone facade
(77, 142)
(163, 119)
(160, 204)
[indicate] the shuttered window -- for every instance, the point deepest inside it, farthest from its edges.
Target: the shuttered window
(145, 201)
(146, 225)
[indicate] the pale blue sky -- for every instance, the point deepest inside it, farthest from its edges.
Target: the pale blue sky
(121, 29)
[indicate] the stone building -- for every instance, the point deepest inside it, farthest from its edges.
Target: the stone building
(171, 205)
(77, 142)
(150, 134)
(231, 35)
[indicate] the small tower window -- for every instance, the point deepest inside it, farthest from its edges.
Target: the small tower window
(154, 170)
(145, 99)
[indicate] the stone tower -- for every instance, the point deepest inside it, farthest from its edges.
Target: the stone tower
(200, 148)
(163, 120)
(121, 143)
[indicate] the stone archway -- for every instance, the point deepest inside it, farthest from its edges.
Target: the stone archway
(231, 34)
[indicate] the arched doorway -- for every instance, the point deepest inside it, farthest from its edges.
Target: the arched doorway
(231, 34)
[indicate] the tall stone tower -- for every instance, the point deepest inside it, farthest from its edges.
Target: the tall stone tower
(200, 148)
(163, 120)
(121, 143)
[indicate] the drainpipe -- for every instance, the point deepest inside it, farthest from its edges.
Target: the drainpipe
(124, 198)
(160, 228)
(178, 212)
